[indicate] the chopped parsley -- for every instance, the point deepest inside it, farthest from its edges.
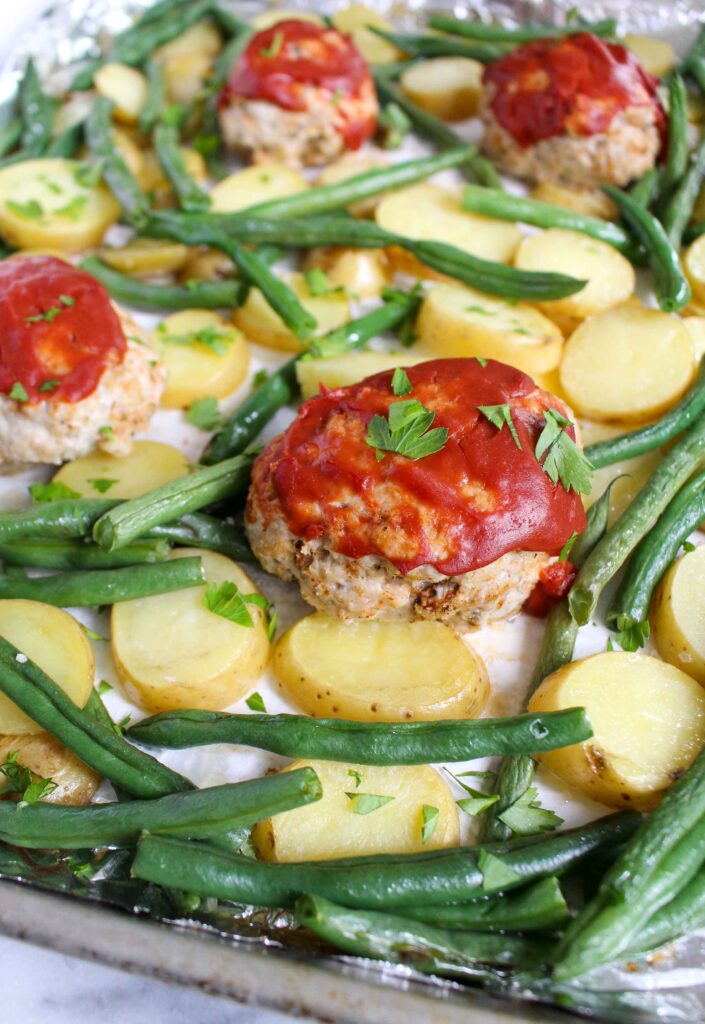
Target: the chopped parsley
(630, 635)
(67, 300)
(406, 431)
(393, 124)
(204, 413)
(356, 777)
(499, 416)
(49, 385)
(688, 546)
(120, 726)
(92, 635)
(274, 49)
(480, 310)
(526, 816)
(102, 484)
(49, 315)
(429, 820)
(206, 145)
(496, 875)
(214, 338)
(31, 210)
(53, 491)
(49, 184)
(259, 378)
(255, 703)
(481, 361)
(562, 458)
(88, 175)
(103, 687)
(401, 385)
(568, 547)
(74, 208)
(106, 432)
(19, 779)
(476, 802)
(19, 392)
(318, 283)
(366, 803)
(227, 600)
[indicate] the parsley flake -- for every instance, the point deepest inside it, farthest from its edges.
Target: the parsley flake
(103, 687)
(19, 392)
(19, 779)
(496, 875)
(688, 546)
(275, 47)
(563, 459)
(356, 777)
(401, 385)
(102, 484)
(204, 413)
(318, 283)
(53, 491)
(406, 431)
(476, 802)
(211, 337)
(88, 175)
(106, 432)
(568, 547)
(227, 600)
(429, 820)
(49, 385)
(74, 208)
(499, 416)
(366, 803)
(31, 210)
(255, 703)
(481, 361)
(630, 634)
(92, 635)
(259, 378)
(526, 816)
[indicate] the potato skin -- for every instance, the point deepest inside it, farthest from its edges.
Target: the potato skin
(677, 612)
(46, 757)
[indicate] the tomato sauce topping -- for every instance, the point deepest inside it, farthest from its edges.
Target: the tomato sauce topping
(555, 580)
(458, 509)
(574, 85)
(282, 62)
(58, 330)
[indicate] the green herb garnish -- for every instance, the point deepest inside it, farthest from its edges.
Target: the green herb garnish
(103, 687)
(204, 413)
(74, 208)
(106, 432)
(31, 210)
(563, 460)
(496, 875)
(429, 820)
(356, 777)
(568, 547)
(366, 803)
(19, 392)
(102, 484)
(255, 703)
(19, 779)
(526, 816)
(53, 491)
(631, 635)
(227, 600)
(275, 47)
(49, 385)
(401, 385)
(499, 416)
(406, 431)
(212, 337)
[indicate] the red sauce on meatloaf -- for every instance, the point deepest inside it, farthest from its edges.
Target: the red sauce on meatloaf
(58, 329)
(574, 85)
(456, 510)
(281, 63)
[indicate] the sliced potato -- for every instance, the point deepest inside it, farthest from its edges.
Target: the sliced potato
(202, 37)
(695, 104)
(628, 364)
(125, 87)
(185, 76)
(45, 756)
(143, 257)
(354, 19)
(171, 652)
(694, 266)
(339, 371)
(362, 272)
(678, 615)
(380, 671)
(431, 212)
(448, 87)
(131, 153)
(655, 55)
(349, 166)
(648, 721)
(150, 464)
(589, 201)
(551, 382)
(337, 825)
(215, 366)
(268, 18)
(43, 205)
(256, 184)
(695, 326)
(55, 641)
(458, 321)
(208, 264)
(258, 321)
(610, 277)
(627, 477)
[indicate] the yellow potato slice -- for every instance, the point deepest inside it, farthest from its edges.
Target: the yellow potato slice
(448, 87)
(655, 55)
(695, 326)
(335, 826)
(458, 321)
(202, 37)
(678, 615)
(380, 671)
(362, 272)
(339, 371)
(256, 184)
(44, 205)
(150, 464)
(55, 641)
(627, 477)
(349, 166)
(125, 87)
(610, 277)
(188, 60)
(354, 19)
(628, 364)
(171, 651)
(131, 153)
(258, 321)
(589, 201)
(431, 212)
(45, 756)
(268, 18)
(648, 721)
(143, 257)
(694, 266)
(216, 365)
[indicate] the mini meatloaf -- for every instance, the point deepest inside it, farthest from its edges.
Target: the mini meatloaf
(73, 373)
(462, 534)
(300, 95)
(577, 111)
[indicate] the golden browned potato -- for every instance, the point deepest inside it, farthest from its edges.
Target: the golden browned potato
(589, 201)
(448, 87)
(125, 87)
(363, 273)
(648, 721)
(45, 756)
(143, 257)
(678, 615)
(254, 185)
(363, 811)
(380, 671)
(149, 464)
(339, 371)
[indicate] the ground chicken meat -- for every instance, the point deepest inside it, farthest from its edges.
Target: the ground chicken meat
(460, 535)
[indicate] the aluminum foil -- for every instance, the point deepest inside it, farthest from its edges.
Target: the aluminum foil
(669, 987)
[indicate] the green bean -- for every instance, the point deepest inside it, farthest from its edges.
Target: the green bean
(516, 773)
(685, 458)
(76, 554)
(661, 858)
(166, 144)
(326, 198)
(471, 29)
(156, 96)
(200, 531)
(68, 143)
(198, 814)
(629, 611)
(227, 21)
(97, 746)
(386, 881)
(380, 743)
(104, 586)
(646, 439)
(679, 208)
(684, 914)
(504, 206)
(670, 283)
(696, 70)
(226, 59)
(38, 111)
(54, 519)
(646, 188)
(10, 135)
(196, 294)
(537, 907)
(437, 951)
(677, 157)
(442, 46)
(131, 519)
(693, 231)
(119, 178)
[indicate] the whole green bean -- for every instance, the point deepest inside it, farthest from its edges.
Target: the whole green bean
(677, 156)
(131, 519)
(504, 206)
(646, 439)
(68, 143)
(386, 881)
(645, 190)
(537, 907)
(97, 745)
(104, 586)
(54, 519)
(77, 554)
(10, 135)
(227, 57)
(197, 294)
(156, 96)
(471, 29)
(166, 144)
(117, 175)
(38, 111)
(442, 46)
(226, 19)
(685, 458)
(380, 743)
(679, 208)
(399, 308)
(696, 70)
(670, 283)
(685, 913)
(693, 231)
(198, 814)
(201, 531)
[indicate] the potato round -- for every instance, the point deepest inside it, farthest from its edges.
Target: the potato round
(648, 721)
(339, 371)
(678, 615)
(589, 201)
(258, 321)
(45, 756)
(609, 275)
(626, 477)
(55, 641)
(695, 326)
(125, 86)
(149, 464)
(171, 652)
(332, 828)
(364, 273)
(268, 18)
(195, 369)
(256, 184)
(628, 364)
(203, 37)
(349, 165)
(380, 671)
(153, 180)
(42, 205)
(143, 257)
(458, 321)
(655, 55)
(694, 266)
(354, 19)
(448, 87)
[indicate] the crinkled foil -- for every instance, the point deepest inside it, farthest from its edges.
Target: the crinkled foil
(670, 987)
